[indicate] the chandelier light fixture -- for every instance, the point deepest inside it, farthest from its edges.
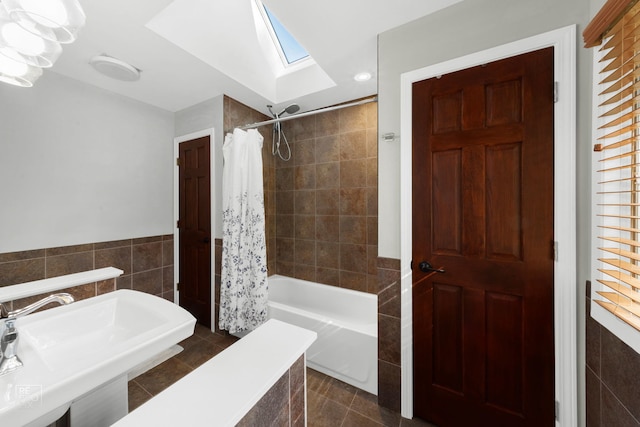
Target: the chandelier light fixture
(31, 34)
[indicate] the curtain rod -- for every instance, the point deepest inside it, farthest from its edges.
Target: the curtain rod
(308, 113)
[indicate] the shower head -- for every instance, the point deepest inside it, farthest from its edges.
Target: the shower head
(293, 108)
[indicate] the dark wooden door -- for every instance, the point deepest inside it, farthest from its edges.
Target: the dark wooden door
(483, 212)
(194, 227)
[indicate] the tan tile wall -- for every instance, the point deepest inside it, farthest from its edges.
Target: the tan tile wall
(612, 398)
(284, 403)
(389, 361)
(326, 199)
(147, 264)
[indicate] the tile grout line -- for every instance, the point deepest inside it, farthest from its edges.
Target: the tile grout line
(604, 385)
(142, 387)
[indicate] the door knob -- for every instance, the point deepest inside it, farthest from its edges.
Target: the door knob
(206, 240)
(427, 268)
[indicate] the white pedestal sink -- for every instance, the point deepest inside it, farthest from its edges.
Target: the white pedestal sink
(70, 352)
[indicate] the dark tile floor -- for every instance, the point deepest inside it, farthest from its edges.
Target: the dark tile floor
(198, 348)
(330, 403)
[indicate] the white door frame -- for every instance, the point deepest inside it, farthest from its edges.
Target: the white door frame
(565, 327)
(176, 215)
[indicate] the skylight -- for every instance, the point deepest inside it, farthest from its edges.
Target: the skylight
(290, 49)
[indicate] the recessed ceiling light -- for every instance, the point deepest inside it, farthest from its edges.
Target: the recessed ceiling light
(362, 77)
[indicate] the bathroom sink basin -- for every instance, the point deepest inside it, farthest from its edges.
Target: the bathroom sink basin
(71, 350)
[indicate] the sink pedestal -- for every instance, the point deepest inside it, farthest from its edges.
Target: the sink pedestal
(102, 406)
(99, 408)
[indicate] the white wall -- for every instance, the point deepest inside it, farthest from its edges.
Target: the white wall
(79, 164)
(465, 28)
(596, 5)
(206, 115)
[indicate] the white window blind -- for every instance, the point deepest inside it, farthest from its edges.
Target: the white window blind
(618, 171)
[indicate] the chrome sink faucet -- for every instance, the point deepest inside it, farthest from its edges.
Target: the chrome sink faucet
(9, 359)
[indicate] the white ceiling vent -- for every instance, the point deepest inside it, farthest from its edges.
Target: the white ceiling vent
(115, 68)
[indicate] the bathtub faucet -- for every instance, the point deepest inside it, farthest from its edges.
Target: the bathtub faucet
(9, 359)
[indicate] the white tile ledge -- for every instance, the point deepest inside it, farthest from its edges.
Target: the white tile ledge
(36, 287)
(224, 389)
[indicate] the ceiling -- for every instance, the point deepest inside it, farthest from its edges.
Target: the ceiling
(190, 51)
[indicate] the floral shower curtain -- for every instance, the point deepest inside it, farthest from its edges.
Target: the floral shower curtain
(243, 290)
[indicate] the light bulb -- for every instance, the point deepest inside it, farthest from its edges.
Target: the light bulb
(11, 67)
(22, 40)
(50, 13)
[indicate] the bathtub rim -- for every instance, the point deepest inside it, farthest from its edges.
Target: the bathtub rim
(339, 289)
(366, 327)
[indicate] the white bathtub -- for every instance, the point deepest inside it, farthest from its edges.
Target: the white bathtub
(346, 324)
